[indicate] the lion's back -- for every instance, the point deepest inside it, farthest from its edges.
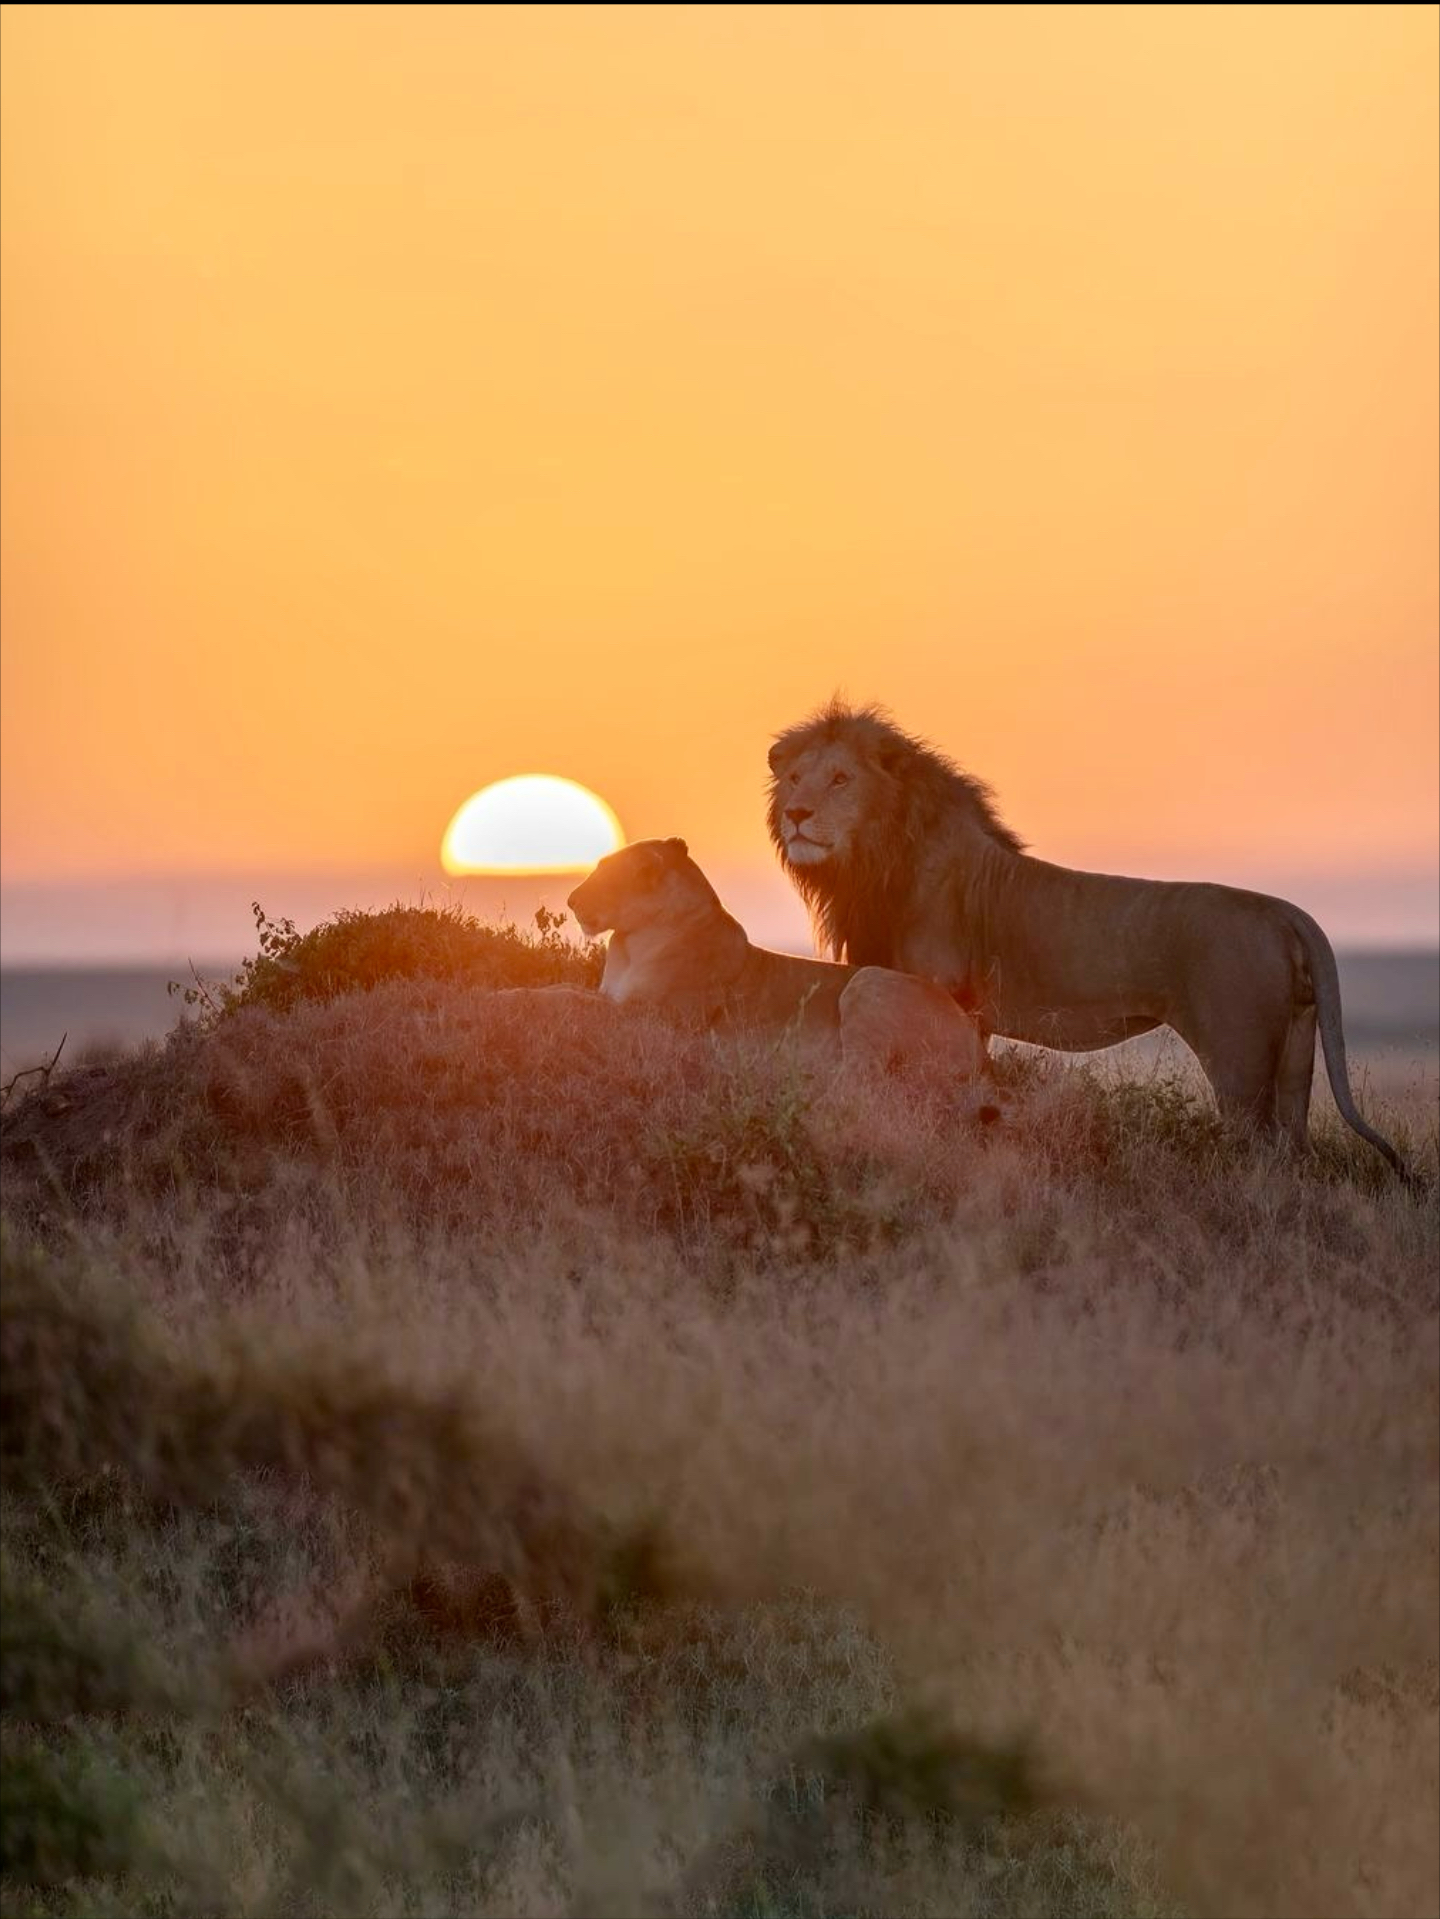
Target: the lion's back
(777, 988)
(895, 1019)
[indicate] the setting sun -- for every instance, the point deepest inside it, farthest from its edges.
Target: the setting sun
(534, 823)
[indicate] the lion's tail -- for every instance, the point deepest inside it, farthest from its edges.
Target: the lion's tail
(1325, 978)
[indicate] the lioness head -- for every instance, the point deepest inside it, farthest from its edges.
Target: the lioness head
(640, 885)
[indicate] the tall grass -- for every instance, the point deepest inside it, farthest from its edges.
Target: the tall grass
(472, 1452)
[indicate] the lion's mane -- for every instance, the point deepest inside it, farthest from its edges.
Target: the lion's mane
(916, 802)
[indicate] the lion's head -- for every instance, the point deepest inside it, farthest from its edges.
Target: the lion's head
(821, 794)
(854, 804)
(642, 884)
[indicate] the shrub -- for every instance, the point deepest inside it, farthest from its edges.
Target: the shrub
(63, 1814)
(356, 950)
(64, 1652)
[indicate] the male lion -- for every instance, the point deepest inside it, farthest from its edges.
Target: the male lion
(904, 862)
(674, 947)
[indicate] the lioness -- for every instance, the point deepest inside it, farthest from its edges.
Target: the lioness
(673, 947)
(904, 862)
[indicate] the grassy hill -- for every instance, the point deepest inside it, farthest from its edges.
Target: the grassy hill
(471, 1451)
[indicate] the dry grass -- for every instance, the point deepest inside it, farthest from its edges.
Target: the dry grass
(469, 1453)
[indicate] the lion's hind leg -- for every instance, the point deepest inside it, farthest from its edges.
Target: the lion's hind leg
(1295, 1077)
(892, 1022)
(1242, 1071)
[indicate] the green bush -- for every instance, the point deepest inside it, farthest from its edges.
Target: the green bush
(64, 1652)
(912, 1765)
(72, 1356)
(848, 1811)
(63, 1815)
(356, 950)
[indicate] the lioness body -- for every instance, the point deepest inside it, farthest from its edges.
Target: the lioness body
(674, 947)
(904, 863)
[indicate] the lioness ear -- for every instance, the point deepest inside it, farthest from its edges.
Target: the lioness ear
(678, 850)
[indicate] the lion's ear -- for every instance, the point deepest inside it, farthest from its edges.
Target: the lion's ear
(774, 756)
(678, 850)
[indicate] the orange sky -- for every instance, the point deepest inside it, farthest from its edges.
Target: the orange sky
(397, 399)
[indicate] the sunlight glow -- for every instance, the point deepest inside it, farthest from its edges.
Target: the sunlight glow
(534, 823)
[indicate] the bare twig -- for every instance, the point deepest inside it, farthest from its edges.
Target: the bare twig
(25, 1073)
(200, 993)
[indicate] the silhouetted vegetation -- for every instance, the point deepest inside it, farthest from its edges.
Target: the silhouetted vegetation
(355, 951)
